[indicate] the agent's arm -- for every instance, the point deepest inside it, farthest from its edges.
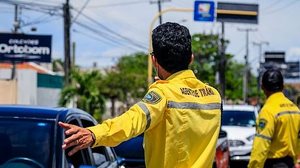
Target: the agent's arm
(262, 140)
(140, 117)
(143, 116)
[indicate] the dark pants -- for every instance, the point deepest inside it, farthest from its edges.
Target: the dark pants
(286, 162)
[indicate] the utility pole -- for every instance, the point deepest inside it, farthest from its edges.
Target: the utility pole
(259, 45)
(246, 71)
(67, 43)
(159, 8)
(73, 54)
(222, 63)
(16, 27)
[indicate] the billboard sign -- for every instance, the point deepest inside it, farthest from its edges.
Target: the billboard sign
(275, 56)
(204, 11)
(25, 48)
(237, 12)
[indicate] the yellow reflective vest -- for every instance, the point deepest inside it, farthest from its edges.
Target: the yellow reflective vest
(277, 131)
(180, 118)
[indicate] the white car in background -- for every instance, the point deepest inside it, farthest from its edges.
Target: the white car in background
(239, 123)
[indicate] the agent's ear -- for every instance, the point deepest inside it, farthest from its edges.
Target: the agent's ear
(154, 61)
(192, 59)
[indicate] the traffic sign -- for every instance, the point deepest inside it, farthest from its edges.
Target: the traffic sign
(204, 11)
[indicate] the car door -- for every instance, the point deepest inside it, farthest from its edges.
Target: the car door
(81, 157)
(103, 157)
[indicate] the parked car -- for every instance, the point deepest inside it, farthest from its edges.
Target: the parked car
(131, 152)
(239, 123)
(31, 137)
(222, 158)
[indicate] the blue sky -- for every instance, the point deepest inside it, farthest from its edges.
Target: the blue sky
(106, 30)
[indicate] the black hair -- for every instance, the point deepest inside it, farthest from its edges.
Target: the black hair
(172, 46)
(272, 80)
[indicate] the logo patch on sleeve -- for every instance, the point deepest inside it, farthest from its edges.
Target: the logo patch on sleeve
(262, 124)
(151, 98)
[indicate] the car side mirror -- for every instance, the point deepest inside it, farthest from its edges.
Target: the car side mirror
(222, 134)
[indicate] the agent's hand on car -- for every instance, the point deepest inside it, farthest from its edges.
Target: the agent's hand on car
(78, 137)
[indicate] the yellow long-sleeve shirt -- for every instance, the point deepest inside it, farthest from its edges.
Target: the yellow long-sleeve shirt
(180, 118)
(278, 131)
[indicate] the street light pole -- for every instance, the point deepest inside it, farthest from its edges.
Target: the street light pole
(150, 78)
(246, 71)
(259, 45)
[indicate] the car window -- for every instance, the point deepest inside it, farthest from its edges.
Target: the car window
(26, 141)
(101, 155)
(79, 158)
(238, 118)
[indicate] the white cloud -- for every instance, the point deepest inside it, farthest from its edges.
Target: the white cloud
(293, 54)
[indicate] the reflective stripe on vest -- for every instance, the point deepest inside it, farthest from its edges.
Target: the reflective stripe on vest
(264, 137)
(147, 113)
(192, 105)
(286, 112)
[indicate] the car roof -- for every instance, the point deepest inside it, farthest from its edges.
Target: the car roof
(239, 107)
(36, 111)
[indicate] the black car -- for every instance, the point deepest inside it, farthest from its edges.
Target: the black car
(31, 137)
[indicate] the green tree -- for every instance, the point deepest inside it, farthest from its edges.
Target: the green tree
(112, 88)
(206, 58)
(127, 80)
(234, 80)
(84, 91)
(133, 69)
(206, 64)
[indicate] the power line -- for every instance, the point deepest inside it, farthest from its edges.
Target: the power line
(82, 8)
(31, 4)
(272, 4)
(104, 41)
(137, 44)
(54, 10)
(102, 34)
(37, 7)
(44, 19)
(118, 4)
(279, 9)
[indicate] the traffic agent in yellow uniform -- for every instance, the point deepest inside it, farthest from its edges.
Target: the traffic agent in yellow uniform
(180, 116)
(277, 140)
(181, 123)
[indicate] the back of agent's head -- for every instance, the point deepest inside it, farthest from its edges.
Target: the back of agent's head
(272, 80)
(172, 46)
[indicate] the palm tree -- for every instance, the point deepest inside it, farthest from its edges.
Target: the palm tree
(84, 90)
(112, 88)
